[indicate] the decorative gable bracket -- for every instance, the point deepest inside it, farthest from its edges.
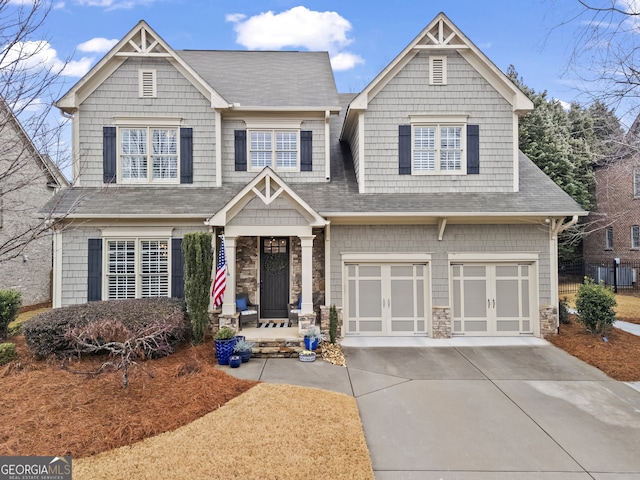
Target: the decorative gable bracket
(144, 44)
(441, 36)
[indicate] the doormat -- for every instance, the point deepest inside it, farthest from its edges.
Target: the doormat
(274, 325)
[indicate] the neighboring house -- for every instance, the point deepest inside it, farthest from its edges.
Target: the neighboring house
(407, 205)
(613, 227)
(28, 180)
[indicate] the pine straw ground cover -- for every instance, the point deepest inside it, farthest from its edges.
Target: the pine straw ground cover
(196, 421)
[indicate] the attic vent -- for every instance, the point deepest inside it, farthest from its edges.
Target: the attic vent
(147, 83)
(437, 70)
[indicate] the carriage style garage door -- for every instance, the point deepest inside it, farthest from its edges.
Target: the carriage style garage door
(386, 298)
(492, 299)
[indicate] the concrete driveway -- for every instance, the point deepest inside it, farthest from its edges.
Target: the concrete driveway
(506, 412)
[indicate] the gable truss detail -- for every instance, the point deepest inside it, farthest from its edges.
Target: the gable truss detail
(143, 44)
(441, 36)
(268, 196)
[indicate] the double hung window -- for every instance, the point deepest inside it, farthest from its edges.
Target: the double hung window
(608, 238)
(636, 184)
(275, 149)
(438, 149)
(137, 268)
(635, 237)
(149, 154)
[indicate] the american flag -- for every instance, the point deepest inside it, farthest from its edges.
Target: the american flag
(220, 282)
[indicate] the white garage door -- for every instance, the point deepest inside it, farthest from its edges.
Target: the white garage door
(492, 299)
(386, 299)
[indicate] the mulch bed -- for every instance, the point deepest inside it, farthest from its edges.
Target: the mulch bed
(45, 410)
(618, 357)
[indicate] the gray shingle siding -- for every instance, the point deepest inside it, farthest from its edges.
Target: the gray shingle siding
(278, 212)
(424, 239)
(118, 96)
(466, 92)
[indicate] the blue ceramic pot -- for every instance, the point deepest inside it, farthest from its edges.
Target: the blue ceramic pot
(235, 361)
(309, 344)
(224, 349)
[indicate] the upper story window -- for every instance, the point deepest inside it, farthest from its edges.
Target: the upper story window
(439, 149)
(147, 150)
(273, 148)
(608, 238)
(635, 236)
(636, 184)
(149, 154)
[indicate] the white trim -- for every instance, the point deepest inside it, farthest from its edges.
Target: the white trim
(439, 118)
(516, 154)
(385, 257)
(327, 145)
(147, 121)
(57, 268)
(272, 124)
(268, 230)
(361, 154)
(218, 139)
(493, 257)
(118, 232)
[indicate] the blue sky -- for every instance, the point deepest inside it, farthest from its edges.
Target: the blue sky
(362, 37)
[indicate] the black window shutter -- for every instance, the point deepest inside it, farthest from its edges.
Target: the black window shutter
(306, 156)
(94, 269)
(186, 155)
(404, 149)
(109, 152)
(177, 268)
(241, 150)
(473, 149)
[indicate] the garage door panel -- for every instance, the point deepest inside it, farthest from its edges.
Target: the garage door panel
(491, 299)
(386, 299)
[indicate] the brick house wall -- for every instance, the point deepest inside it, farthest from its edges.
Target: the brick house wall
(618, 209)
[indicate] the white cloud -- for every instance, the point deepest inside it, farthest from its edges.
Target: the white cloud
(40, 54)
(345, 61)
(115, 4)
(297, 27)
(97, 45)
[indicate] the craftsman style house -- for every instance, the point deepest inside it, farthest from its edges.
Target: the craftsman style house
(28, 180)
(407, 205)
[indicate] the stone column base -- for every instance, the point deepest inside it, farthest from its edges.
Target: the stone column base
(548, 320)
(441, 325)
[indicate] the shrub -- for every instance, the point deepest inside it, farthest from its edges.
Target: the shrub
(10, 302)
(50, 332)
(198, 260)
(7, 353)
(563, 312)
(594, 305)
(225, 333)
(333, 324)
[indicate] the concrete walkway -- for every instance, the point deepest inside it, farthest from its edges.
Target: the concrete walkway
(519, 412)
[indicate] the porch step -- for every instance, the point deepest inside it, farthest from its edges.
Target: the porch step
(282, 342)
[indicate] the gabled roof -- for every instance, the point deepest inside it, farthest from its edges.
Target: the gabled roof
(441, 34)
(54, 176)
(265, 79)
(267, 186)
(141, 41)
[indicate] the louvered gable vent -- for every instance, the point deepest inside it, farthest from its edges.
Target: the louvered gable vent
(438, 70)
(147, 83)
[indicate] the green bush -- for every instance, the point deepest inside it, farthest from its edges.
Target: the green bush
(594, 305)
(10, 303)
(7, 353)
(333, 324)
(55, 331)
(198, 260)
(563, 312)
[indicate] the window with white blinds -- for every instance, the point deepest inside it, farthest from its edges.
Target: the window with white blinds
(137, 268)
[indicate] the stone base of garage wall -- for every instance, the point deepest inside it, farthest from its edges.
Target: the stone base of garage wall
(441, 324)
(548, 320)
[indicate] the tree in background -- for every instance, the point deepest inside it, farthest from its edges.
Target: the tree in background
(567, 144)
(198, 261)
(28, 134)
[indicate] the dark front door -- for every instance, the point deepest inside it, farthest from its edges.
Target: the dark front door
(274, 277)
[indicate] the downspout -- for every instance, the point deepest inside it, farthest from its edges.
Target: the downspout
(556, 227)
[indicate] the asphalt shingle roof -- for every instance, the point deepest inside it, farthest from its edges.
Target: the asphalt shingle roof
(267, 79)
